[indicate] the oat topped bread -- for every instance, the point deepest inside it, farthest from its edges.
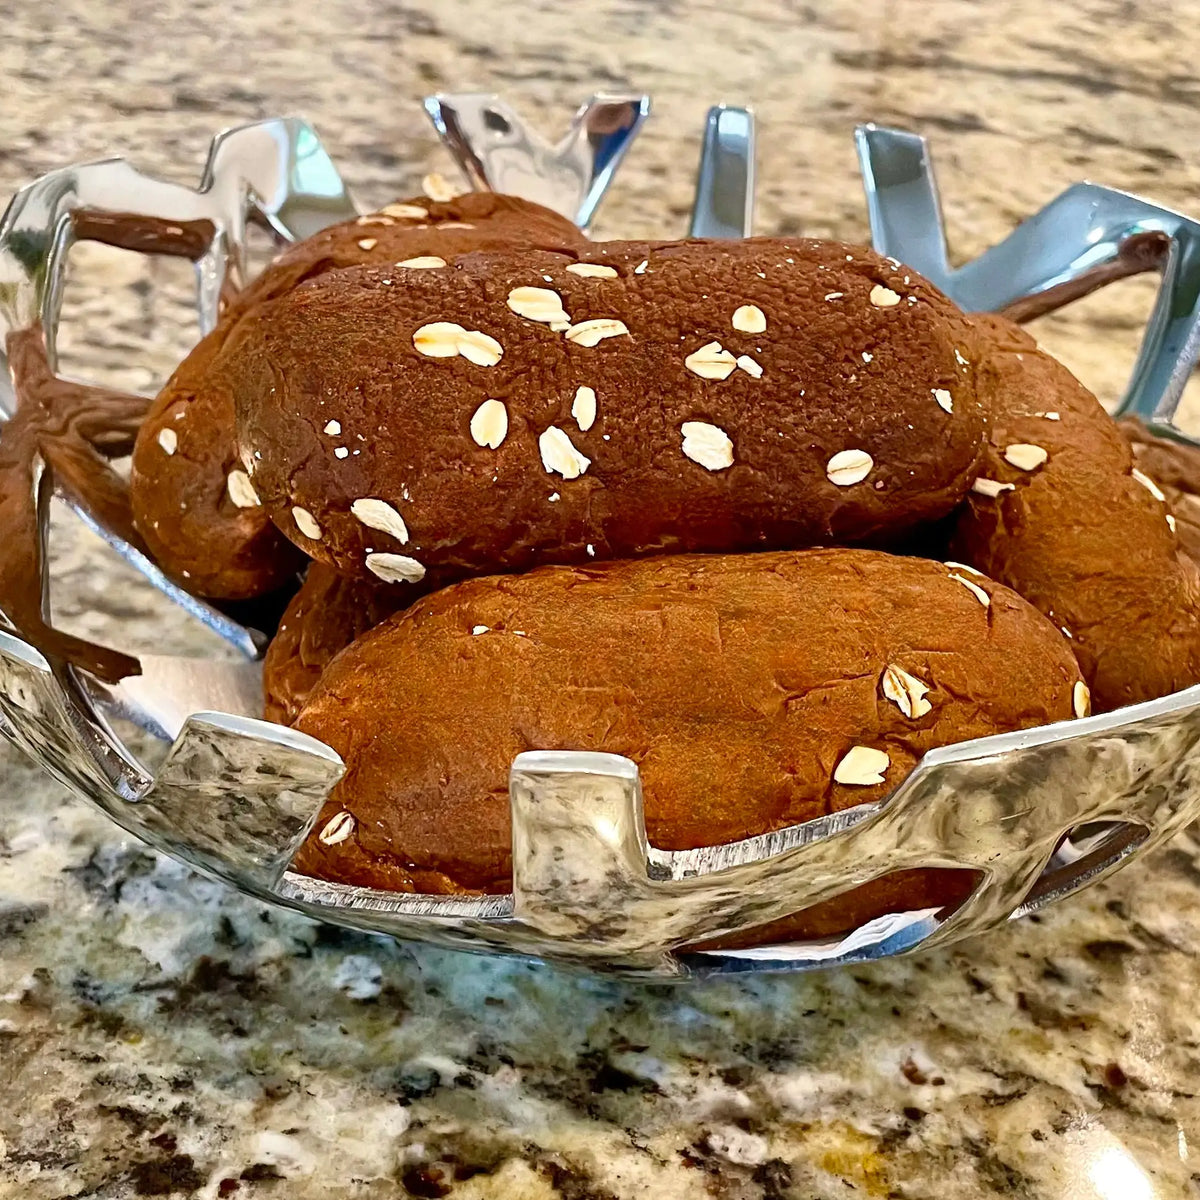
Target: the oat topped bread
(753, 691)
(525, 406)
(327, 613)
(557, 494)
(1062, 514)
(193, 502)
(1175, 467)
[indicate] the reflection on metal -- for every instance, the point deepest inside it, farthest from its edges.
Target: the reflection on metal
(234, 796)
(724, 204)
(587, 888)
(1035, 814)
(498, 152)
(1085, 238)
(274, 171)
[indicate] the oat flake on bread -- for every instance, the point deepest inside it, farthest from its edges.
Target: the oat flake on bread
(466, 380)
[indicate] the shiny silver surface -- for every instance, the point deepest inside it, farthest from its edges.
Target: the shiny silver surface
(586, 882)
(724, 203)
(234, 796)
(171, 688)
(274, 171)
(497, 151)
(1035, 814)
(1083, 239)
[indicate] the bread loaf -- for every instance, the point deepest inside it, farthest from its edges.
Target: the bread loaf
(521, 407)
(1061, 515)
(1175, 467)
(322, 619)
(193, 502)
(753, 691)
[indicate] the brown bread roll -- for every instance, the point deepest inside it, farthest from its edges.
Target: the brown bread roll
(193, 502)
(1175, 467)
(703, 396)
(322, 619)
(1061, 515)
(330, 610)
(753, 691)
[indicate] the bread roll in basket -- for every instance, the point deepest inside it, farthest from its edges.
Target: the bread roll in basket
(668, 607)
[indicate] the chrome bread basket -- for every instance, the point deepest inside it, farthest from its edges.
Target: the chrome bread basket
(1035, 814)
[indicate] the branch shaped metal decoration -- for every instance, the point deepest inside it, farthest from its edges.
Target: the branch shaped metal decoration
(1085, 238)
(498, 152)
(61, 431)
(1033, 815)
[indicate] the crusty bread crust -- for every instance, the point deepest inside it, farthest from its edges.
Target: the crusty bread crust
(509, 410)
(1080, 534)
(472, 391)
(209, 534)
(327, 613)
(741, 685)
(1175, 467)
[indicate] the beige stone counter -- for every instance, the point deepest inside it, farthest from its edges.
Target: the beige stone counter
(159, 1034)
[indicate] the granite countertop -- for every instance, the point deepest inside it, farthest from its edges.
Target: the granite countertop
(160, 1034)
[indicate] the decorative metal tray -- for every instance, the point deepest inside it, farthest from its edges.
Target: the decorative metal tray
(1036, 814)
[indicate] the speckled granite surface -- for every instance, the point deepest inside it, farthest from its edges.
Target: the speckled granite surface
(160, 1035)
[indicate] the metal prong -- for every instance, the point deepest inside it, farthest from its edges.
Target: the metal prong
(582, 866)
(1085, 238)
(579, 839)
(248, 642)
(724, 203)
(279, 168)
(58, 735)
(293, 182)
(236, 796)
(1171, 343)
(902, 199)
(497, 151)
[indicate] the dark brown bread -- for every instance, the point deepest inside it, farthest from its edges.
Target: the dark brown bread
(209, 534)
(192, 503)
(344, 398)
(1175, 467)
(414, 228)
(901, 891)
(739, 684)
(327, 613)
(1080, 535)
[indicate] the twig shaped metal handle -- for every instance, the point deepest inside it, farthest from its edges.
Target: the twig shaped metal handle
(724, 203)
(1085, 238)
(497, 151)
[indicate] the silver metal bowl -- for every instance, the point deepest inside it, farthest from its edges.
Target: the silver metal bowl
(1036, 814)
